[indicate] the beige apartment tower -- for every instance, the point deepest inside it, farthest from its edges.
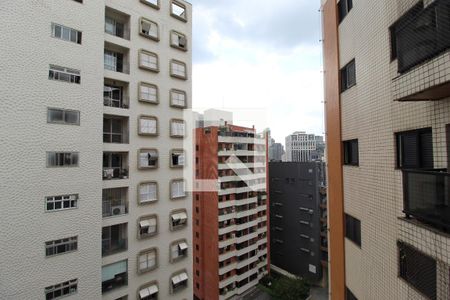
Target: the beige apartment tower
(387, 95)
(94, 198)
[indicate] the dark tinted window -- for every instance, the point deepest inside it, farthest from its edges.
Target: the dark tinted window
(351, 153)
(415, 149)
(348, 76)
(353, 229)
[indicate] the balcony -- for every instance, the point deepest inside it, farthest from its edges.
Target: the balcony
(420, 42)
(117, 23)
(115, 165)
(114, 276)
(426, 197)
(115, 94)
(115, 129)
(114, 202)
(116, 59)
(114, 239)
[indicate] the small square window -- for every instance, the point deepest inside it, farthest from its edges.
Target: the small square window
(148, 159)
(147, 260)
(178, 40)
(147, 226)
(148, 61)
(149, 29)
(151, 3)
(148, 192)
(177, 128)
(148, 125)
(177, 158)
(178, 219)
(178, 10)
(177, 189)
(178, 250)
(178, 98)
(178, 69)
(148, 93)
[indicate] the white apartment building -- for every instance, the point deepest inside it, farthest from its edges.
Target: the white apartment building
(304, 147)
(98, 209)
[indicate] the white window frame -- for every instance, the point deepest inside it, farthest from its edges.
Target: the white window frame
(152, 228)
(181, 153)
(148, 60)
(64, 74)
(177, 128)
(63, 113)
(178, 189)
(178, 40)
(152, 195)
(147, 258)
(178, 98)
(141, 153)
(155, 32)
(71, 200)
(178, 69)
(151, 3)
(71, 284)
(182, 16)
(66, 34)
(70, 244)
(148, 128)
(148, 290)
(179, 281)
(72, 156)
(176, 250)
(151, 93)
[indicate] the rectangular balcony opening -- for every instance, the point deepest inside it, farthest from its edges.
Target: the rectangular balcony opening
(426, 196)
(115, 129)
(117, 23)
(116, 58)
(114, 276)
(114, 202)
(114, 239)
(115, 165)
(116, 94)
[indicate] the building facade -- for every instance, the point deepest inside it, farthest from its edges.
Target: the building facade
(276, 151)
(304, 147)
(230, 209)
(387, 78)
(298, 218)
(103, 194)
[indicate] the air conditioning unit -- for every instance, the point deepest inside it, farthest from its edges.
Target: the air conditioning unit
(118, 210)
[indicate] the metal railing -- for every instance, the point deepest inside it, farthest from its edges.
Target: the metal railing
(426, 197)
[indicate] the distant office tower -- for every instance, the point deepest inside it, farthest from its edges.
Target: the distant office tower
(387, 92)
(304, 147)
(276, 151)
(94, 95)
(230, 230)
(298, 218)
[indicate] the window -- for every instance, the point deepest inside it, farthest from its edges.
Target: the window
(177, 128)
(177, 189)
(114, 276)
(113, 96)
(148, 192)
(418, 270)
(179, 282)
(177, 158)
(66, 33)
(64, 74)
(114, 27)
(178, 98)
(152, 3)
(149, 29)
(114, 239)
(149, 291)
(113, 130)
(351, 153)
(344, 7)
(61, 246)
(148, 93)
(148, 61)
(178, 40)
(353, 229)
(62, 159)
(148, 125)
(348, 76)
(178, 10)
(415, 149)
(61, 290)
(178, 250)
(148, 226)
(178, 219)
(349, 295)
(79, 1)
(178, 69)
(55, 203)
(63, 116)
(113, 61)
(148, 159)
(147, 260)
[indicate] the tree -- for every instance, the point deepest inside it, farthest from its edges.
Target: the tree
(291, 288)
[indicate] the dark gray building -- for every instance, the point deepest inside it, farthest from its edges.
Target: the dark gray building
(298, 218)
(276, 151)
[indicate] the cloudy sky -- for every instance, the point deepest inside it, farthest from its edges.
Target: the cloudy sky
(262, 60)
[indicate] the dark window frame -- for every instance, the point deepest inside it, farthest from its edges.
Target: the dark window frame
(343, 9)
(345, 76)
(349, 295)
(349, 147)
(420, 149)
(353, 229)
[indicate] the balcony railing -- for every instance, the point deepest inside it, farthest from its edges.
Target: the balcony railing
(423, 35)
(115, 173)
(426, 196)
